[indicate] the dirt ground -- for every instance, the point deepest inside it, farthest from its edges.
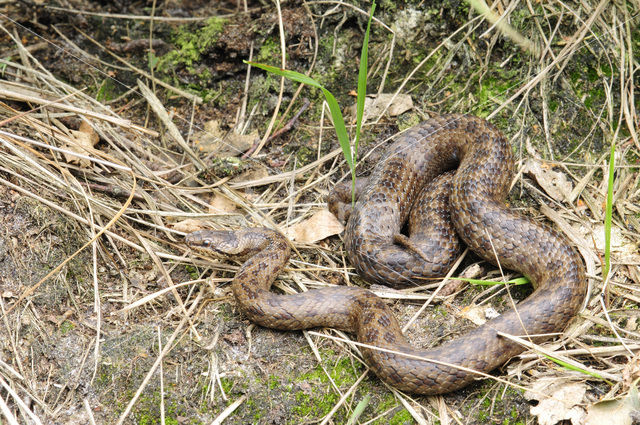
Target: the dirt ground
(151, 125)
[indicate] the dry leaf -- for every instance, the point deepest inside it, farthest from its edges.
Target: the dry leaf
(235, 337)
(631, 371)
(86, 138)
(320, 225)
(375, 105)
(620, 244)
(401, 104)
(187, 226)
(623, 411)
(220, 204)
(554, 183)
(479, 314)
(558, 400)
(222, 143)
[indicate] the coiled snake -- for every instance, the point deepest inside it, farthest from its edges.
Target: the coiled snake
(381, 254)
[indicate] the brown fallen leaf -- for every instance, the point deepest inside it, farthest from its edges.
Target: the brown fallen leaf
(375, 105)
(86, 138)
(479, 314)
(631, 372)
(187, 226)
(558, 400)
(633, 273)
(220, 204)
(622, 411)
(625, 249)
(554, 183)
(235, 337)
(320, 225)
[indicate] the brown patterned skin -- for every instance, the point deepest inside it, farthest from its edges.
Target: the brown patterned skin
(429, 250)
(485, 167)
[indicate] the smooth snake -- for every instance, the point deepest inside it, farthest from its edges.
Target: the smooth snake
(408, 183)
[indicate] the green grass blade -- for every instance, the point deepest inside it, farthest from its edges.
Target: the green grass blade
(341, 130)
(292, 75)
(357, 412)
(336, 113)
(609, 214)
(362, 93)
(362, 79)
(576, 368)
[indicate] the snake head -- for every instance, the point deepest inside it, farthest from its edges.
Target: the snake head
(221, 243)
(217, 242)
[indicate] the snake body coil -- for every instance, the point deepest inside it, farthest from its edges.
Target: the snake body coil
(478, 188)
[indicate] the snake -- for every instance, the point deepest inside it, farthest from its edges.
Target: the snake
(459, 169)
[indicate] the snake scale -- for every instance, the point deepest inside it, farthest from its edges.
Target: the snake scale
(475, 193)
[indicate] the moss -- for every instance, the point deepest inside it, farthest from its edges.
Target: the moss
(507, 409)
(190, 44)
(341, 373)
(403, 417)
(304, 154)
(441, 311)
(388, 5)
(326, 45)
(146, 410)
(192, 271)
(399, 415)
(190, 47)
(65, 327)
(107, 90)
(273, 382)
(104, 378)
(340, 71)
(585, 77)
(222, 167)
(321, 399)
(388, 402)
(316, 405)
(227, 385)
(514, 413)
(269, 52)
(408, 120)
(262, 93)
(493, 90)
(257, 409)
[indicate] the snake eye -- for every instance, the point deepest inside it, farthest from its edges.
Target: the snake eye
(206, 242)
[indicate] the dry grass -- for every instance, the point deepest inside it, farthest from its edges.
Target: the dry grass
(126, 203)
